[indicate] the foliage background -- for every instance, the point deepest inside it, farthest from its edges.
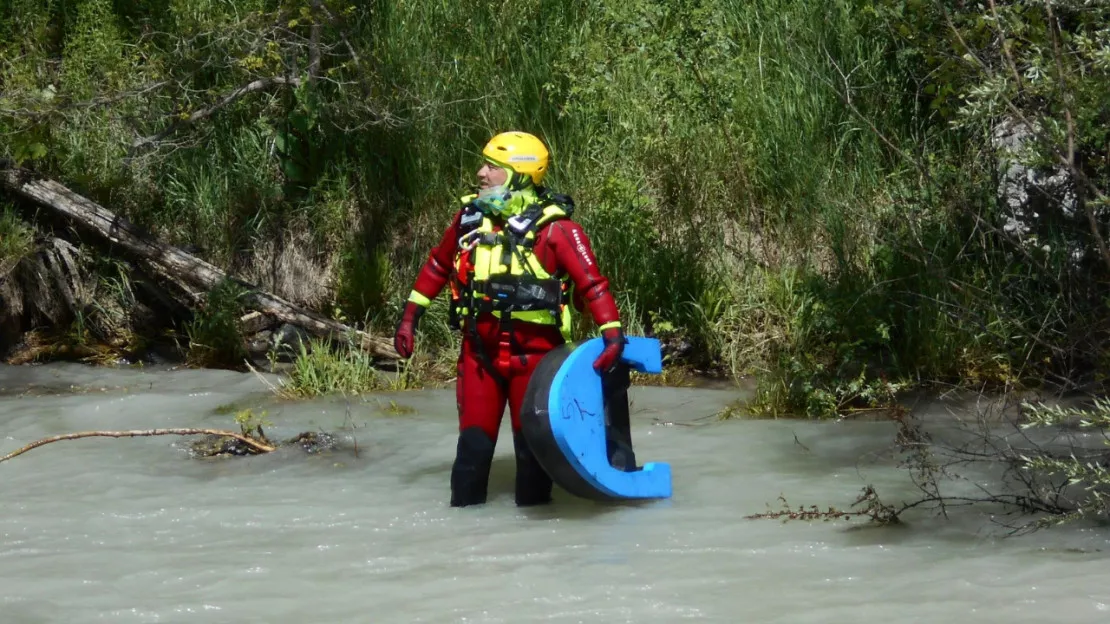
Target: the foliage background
(805, 191)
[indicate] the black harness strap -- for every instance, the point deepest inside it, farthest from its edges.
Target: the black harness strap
(517, 228)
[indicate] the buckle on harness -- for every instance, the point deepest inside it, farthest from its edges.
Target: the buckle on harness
(473, 238)
(510, 293)
(470, 240)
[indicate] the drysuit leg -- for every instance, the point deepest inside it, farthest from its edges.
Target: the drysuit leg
(618, 434)
(481, 403)
(470, 473)
(533, 485)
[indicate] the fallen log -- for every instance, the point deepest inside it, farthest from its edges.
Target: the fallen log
(171, 263)
(254, 322)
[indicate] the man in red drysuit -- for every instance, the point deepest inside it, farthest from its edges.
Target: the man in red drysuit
(515, 263)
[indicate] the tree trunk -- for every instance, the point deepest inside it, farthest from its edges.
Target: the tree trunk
(171, 263)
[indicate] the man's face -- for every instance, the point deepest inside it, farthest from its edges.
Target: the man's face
(490, 176)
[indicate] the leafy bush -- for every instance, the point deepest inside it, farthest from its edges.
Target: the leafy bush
(16, 240)
(804, 189)
(214, 336)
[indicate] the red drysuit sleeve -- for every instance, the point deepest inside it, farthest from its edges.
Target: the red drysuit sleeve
(568, 244)
(437, 268)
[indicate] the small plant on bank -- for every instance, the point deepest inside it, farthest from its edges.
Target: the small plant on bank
(821, 395)
(215, 340)
(671, 377)
(16, 240)
(321, 367)
(396, 409)
(250, 424)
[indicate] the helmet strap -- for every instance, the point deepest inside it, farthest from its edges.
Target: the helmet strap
(518, 181)
(514, 181)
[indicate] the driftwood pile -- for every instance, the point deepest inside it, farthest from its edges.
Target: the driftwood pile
(186, 273)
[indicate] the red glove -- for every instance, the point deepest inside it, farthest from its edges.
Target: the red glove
(404, 337)
(611, 355)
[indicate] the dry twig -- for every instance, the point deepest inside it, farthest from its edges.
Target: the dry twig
(261, 447)
(198, 115)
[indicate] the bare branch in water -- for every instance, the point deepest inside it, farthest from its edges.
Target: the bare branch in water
(257, 445)
(1029, 481)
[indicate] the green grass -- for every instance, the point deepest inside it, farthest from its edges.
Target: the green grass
(214, 339)
(731, 195)
(17, 239)
(320, 369)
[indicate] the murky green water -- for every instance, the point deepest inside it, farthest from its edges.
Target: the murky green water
(133, 530)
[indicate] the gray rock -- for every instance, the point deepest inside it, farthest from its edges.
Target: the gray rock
(1035, 198)
(287, 340)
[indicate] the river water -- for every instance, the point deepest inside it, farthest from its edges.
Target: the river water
(134, 530)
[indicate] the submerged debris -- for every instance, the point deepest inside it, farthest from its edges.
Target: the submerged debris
(216, 445)
(310, 442)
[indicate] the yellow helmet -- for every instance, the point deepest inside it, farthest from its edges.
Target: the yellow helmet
(520, 152)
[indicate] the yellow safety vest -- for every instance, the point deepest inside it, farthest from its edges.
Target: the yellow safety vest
(497, 271)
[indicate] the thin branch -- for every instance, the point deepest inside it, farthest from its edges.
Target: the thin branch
(95, 102)
(1053, 29)
(846, 99)
(342, 32)
(261, 447)
(250, 87)
(1066, 159)
(314, 43)
(1006, 46)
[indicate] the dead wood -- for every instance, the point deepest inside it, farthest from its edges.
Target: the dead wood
(170, 263)
(261, 447)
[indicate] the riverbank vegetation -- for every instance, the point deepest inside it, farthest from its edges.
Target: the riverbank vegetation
(1026, 465)
(841, 198)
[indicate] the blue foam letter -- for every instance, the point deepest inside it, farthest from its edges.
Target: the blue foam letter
(572, 415)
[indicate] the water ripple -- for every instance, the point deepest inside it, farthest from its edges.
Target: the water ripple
(135, 531)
